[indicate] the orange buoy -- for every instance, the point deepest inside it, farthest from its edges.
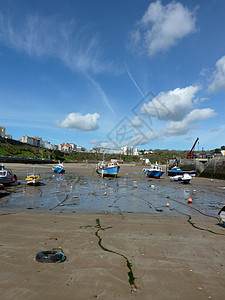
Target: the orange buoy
(167, 204)
(105, 193)
(135, 186)
(189, 200)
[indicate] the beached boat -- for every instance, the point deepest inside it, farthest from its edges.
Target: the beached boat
(59, 169)
(155, 171)
(107, 169)
(33, 179)
(177, 171)
(7, 177)
(184, 178)
(221, 213)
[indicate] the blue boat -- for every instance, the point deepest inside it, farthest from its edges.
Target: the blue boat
(154, 172)
(59, 169)
(177, 171)
(107, 169)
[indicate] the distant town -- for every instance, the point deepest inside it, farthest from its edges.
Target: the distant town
(69, 147)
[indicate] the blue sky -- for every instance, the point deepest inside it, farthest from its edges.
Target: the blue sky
(149, 74)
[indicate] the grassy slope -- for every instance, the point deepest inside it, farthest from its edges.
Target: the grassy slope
(6, 149)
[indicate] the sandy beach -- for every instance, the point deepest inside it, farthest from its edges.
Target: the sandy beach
(170, 257)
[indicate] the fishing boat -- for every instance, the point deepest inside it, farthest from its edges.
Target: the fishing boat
(155, 171)
(33, 179)
(107, 169)
(59, 169)
(177, 171)
(7, 177)
(221, 213)
(184, 178)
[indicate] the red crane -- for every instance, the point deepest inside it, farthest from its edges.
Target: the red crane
(191, 153)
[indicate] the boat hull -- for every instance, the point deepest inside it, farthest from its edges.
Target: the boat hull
(113, 171)
(58, 170)
(8, 179)
(33, 179)
(33, 182)
(154, 174)
(181, 178)
(174, 173)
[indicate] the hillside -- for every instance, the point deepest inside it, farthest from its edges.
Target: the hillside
(12, 148)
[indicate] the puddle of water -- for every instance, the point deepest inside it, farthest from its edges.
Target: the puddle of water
(94, 194)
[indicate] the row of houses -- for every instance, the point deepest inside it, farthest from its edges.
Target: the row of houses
(39, 142)
(69, 147)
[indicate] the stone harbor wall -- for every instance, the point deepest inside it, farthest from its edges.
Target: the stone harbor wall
(214, 168)
(188, 165)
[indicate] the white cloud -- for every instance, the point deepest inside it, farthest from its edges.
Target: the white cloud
(183, 127)
(162, 27)
(87, 122)
(136, 122)
(171, 105)
(218, 80)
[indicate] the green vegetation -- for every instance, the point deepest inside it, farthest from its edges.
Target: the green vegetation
(26, 151)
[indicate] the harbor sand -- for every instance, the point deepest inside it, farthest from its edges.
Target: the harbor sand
(111, 256)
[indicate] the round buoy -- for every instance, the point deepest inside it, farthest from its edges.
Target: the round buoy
(167, 204)
(135, 186)
(189, 200)
(105, 193)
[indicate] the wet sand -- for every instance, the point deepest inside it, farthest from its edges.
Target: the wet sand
(170, 257)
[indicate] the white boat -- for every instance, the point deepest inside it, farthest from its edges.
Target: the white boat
(155, 171)
(221, 213)
(185, 178)
(33, 179)
(6, 176)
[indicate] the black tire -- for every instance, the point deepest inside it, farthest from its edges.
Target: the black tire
(50, 257)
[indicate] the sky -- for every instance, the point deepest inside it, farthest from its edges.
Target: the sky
(148, 74)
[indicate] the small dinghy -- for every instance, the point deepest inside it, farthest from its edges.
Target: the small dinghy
(221, 213)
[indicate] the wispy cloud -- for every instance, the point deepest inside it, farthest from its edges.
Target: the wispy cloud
(162, 27)
(101, 92)
(39, 36)
(218, 77)
(87, 122)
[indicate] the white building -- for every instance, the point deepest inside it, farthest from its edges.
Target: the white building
(81, 149)
(129, 150)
